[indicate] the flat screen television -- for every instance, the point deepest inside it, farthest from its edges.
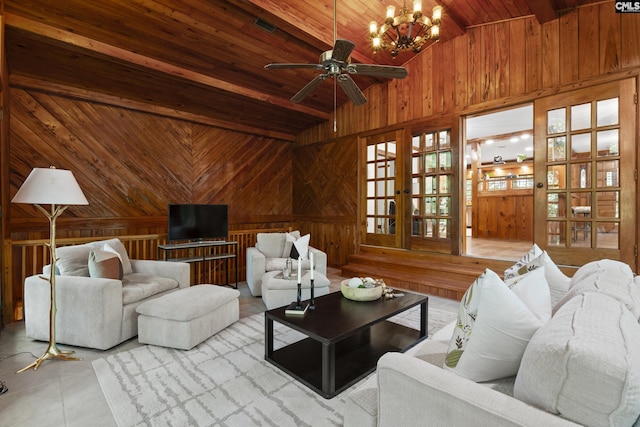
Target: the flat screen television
(198, 222)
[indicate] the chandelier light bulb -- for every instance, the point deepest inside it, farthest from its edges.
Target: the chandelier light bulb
(437, 13)
(417, 6)
(373, 28)
(391, 12)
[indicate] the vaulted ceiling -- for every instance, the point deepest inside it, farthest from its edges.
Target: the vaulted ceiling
(206, 58)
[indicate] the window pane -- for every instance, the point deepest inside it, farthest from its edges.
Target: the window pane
(445, 161)
(371, 188)
(607, 203)
(581, 204)
(556, 121)
(607, 112)
(556, 205)
(444, 229)
(430, 185)
(371, 225)
(557, 149)
(608, 235)
(556, 233)
(371, 153)
(430, 162)
(581, 175)
(380, 188)
(581, 116)
(371, 207)
(430, 206)
(556, 176)
(381, 151)
(381, 207)
(429, 142)
(391, 187)
(415, 144)
(445, 140)
(581, 146)
(580, 234)
(445, 206)
(608, 173)
(415, 185)
(445, 184)
(607, 142)
(371, 170)
(415, 206)
(430, 227)
(380, 169)
(415, 164)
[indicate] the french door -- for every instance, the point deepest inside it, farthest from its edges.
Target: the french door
(410, 191)
(585, 174)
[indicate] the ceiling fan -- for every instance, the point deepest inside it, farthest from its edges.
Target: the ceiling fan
(335, 63)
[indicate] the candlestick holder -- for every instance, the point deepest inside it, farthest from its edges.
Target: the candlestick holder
(312, 303)
(299, 296)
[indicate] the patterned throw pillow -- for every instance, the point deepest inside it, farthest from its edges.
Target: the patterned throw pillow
(494, 327)
(300, 248)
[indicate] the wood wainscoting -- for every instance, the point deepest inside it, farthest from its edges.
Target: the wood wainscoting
(29, 256)
(442, 275)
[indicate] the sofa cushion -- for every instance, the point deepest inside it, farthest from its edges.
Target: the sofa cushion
(558, 282)
(584, 364)
(532, 288)
(138, 286)
(494, 327)
(105, 265)
(608, 277)
(271, 244)
(74, 260)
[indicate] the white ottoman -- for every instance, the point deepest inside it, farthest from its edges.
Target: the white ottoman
(278, 291)
(185, 318)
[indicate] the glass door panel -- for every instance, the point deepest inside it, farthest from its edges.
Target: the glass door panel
(584, 161)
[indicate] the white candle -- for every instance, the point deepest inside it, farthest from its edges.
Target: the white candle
(311, 263)
(300, 270)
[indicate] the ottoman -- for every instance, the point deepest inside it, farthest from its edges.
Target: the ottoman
(185, 318)
(278, 291)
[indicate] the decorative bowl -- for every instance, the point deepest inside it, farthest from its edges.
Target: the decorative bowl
(360, 294)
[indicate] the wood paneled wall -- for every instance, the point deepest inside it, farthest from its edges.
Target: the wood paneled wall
(497, 65)
(130, 165)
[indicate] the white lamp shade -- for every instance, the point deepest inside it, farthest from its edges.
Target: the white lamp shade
(50, 187)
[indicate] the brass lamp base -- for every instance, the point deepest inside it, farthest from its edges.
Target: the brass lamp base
(52, 353)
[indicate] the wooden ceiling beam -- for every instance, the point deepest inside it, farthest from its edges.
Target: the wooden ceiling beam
(145, 62)
(543, 10)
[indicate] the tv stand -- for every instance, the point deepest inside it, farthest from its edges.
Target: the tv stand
(201, 251)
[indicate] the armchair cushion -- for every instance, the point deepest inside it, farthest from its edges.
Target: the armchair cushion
(74, 260)
(139, 286)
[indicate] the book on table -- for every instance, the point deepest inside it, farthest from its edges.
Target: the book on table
(295, 310)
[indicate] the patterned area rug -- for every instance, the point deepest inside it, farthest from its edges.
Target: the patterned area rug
(223, 381)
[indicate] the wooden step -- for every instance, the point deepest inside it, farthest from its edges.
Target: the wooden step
(442, 275)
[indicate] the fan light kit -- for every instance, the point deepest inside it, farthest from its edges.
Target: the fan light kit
(408, 30)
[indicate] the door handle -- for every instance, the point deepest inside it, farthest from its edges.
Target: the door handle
(539, 185)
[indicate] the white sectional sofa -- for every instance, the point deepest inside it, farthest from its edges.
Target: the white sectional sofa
(97, 312)
(581, 367)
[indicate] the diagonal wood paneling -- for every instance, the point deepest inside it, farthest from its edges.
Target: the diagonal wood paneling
(131, 165)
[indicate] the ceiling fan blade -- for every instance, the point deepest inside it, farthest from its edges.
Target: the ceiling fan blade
(281, 66)
(351, 89)
(342, 49)
(302, 93)
(388, 71)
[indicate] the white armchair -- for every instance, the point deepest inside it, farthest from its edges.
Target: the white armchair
(96, 312)
(270, 254)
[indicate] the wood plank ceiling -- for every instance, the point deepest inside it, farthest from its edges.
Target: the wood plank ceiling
(206, 58)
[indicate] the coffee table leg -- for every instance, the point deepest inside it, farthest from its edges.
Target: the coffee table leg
(268, 335)
(424, 319)
(328, 368)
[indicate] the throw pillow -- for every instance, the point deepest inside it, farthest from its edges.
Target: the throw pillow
(117, 246)
(520, 267)
(290, 237)
(532, 288)
(558, 282)
(300, 247)
(493, 330)
(72, 260)
(104, 265)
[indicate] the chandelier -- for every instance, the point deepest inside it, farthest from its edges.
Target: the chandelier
(408, 30)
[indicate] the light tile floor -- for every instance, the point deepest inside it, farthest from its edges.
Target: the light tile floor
(67, 393)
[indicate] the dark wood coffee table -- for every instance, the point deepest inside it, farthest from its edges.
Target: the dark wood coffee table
(345, 339)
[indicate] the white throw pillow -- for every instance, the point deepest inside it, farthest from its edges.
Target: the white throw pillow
(301, 247)
(532, 288)
(290, 237)
(117, 247)
(558, 282)
(494, 328)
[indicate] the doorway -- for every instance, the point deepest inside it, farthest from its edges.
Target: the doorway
(498, 183)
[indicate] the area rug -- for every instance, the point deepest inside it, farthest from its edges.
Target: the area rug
(223, 381)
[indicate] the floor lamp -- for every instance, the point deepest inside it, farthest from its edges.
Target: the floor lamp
(58, 188)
